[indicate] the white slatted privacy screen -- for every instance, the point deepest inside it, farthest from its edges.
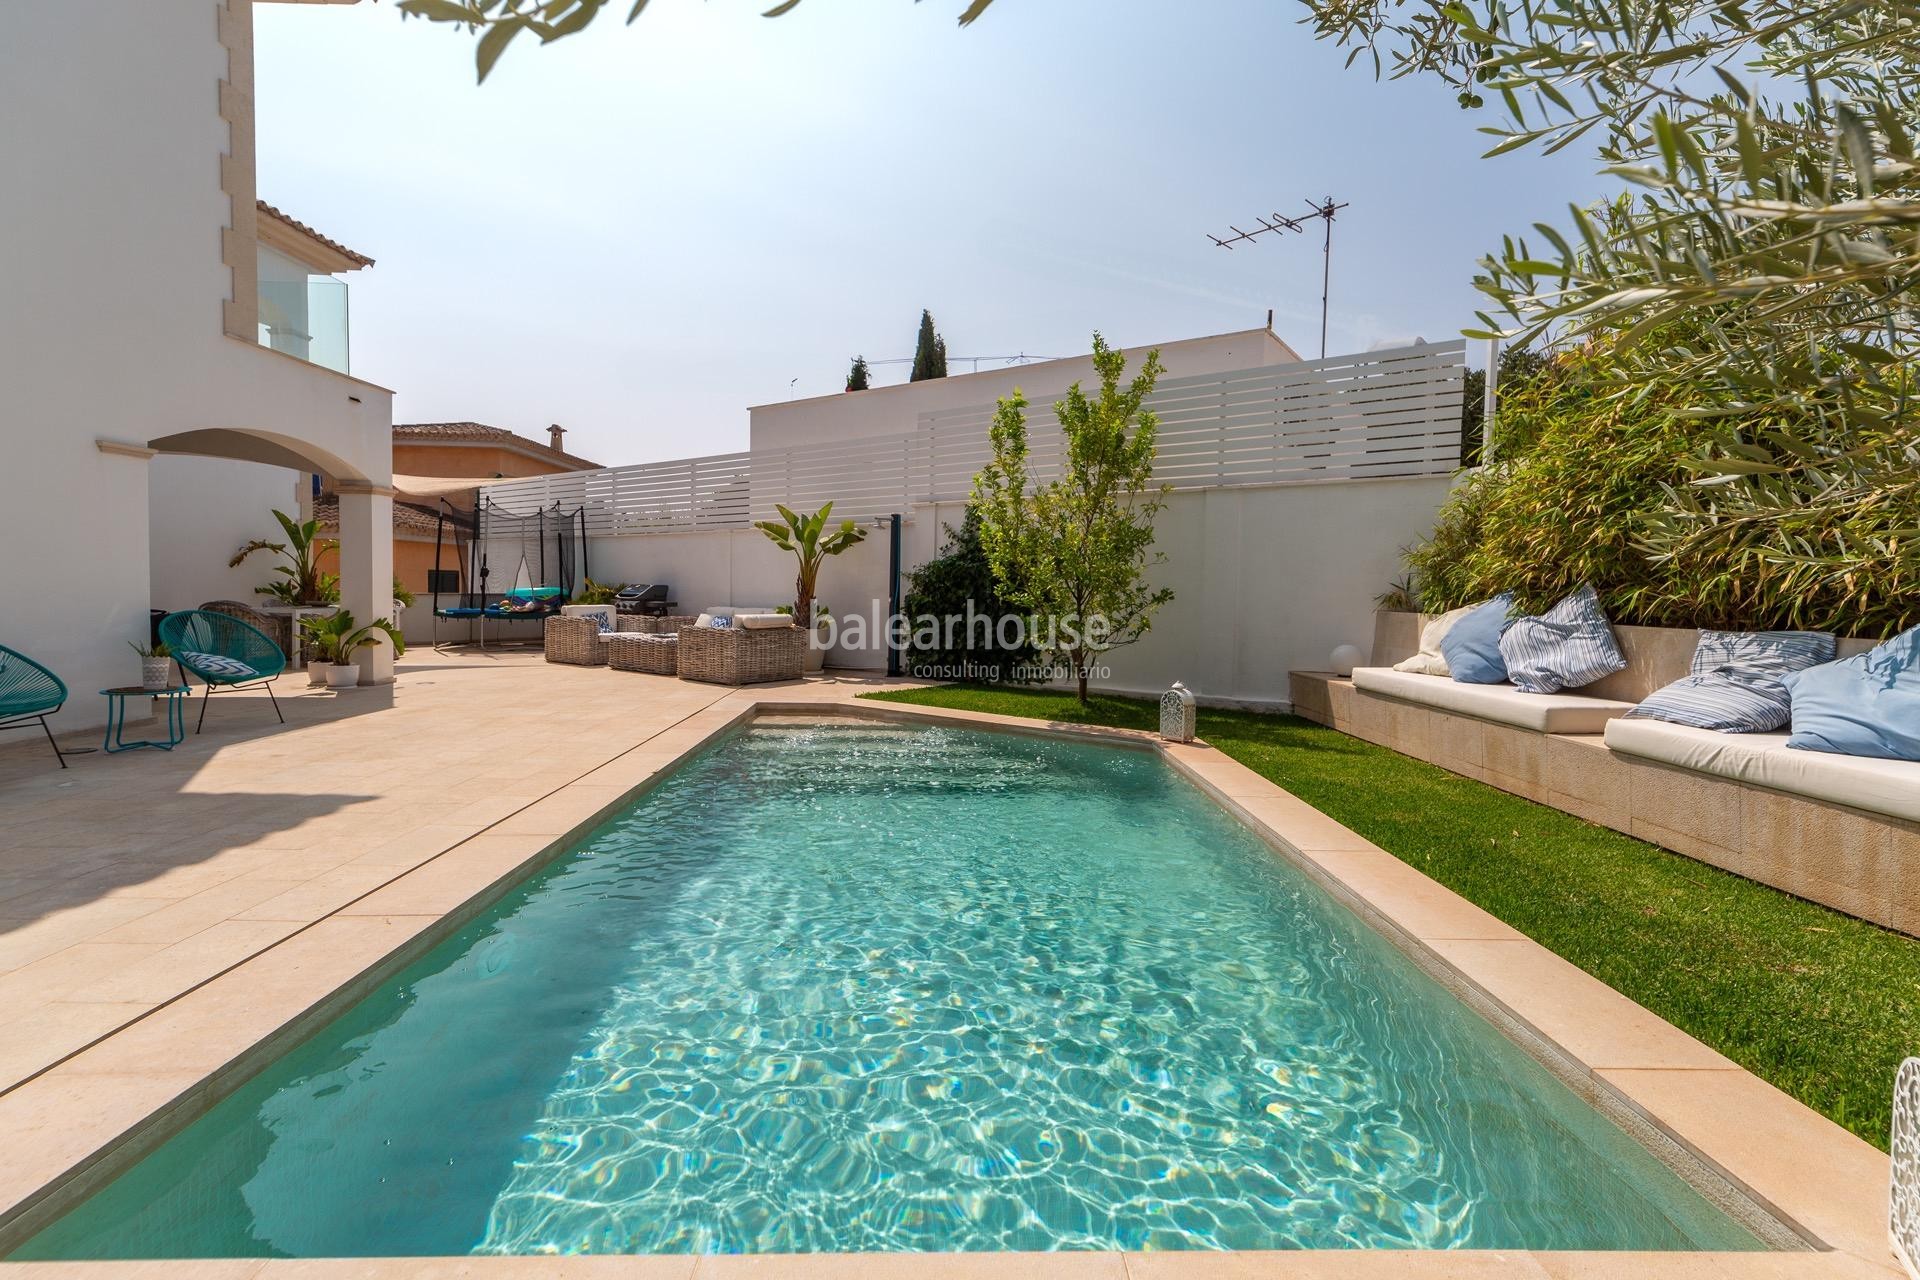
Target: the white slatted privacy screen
(1378, 414)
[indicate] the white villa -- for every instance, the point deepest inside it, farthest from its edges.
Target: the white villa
(664, 943)
(167, 337)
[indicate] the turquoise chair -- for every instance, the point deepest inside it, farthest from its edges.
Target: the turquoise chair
(28, 692)
(224, 652)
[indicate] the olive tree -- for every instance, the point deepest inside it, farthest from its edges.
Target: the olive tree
(1757, 268)
(500, 22)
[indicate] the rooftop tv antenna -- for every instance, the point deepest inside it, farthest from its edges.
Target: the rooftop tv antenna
(1325, 211)
(1022, 358)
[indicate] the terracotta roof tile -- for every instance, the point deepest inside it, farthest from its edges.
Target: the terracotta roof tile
(302, 227)
(480, 431)
(407, 518)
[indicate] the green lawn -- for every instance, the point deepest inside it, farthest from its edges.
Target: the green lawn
(1822, 1005)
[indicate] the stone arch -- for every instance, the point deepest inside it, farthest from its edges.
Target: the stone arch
(247, 444)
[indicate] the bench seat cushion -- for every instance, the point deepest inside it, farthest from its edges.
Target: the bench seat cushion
(1500, 703)
(1889, 787)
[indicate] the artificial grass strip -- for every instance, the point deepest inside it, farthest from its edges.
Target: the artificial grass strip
(1821, 1005)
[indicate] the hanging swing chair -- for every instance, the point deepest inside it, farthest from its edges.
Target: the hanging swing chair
(541, 555)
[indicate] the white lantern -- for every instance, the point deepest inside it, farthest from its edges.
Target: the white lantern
(1904, 1220)
(1176, 714)
(1344, 659)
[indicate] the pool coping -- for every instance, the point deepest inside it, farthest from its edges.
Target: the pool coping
(81, 1122)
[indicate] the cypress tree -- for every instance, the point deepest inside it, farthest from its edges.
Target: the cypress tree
(858, 378)
(929, 352)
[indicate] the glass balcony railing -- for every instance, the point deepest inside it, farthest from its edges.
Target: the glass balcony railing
(306, 318)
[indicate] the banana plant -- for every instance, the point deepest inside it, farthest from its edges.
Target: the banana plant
(808, 538)
(301, 581)
(336, 638)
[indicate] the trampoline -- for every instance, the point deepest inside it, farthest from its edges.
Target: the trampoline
(512, 566)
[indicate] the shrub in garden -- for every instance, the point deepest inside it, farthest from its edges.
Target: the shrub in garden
(945, 587)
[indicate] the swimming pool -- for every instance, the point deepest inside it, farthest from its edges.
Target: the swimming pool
(866, 987)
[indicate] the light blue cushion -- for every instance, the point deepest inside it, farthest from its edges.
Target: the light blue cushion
(1472, 647)
(1735, 681)
(1866, 705)
(1567, 647)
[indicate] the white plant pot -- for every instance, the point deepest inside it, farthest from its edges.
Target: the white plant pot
(317, 674)
(816, 655)
(343, 676)
(154, 673)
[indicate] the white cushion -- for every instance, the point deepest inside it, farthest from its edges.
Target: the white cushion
(1891, 787)
(1500, 703)
(761, 621)
(1430, 661)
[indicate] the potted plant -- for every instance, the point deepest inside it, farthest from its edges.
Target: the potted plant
(336, 640)
(816, 648)
(301, 581)
(154, 661)
(808, 538)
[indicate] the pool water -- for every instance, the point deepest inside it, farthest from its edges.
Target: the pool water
(845, 987)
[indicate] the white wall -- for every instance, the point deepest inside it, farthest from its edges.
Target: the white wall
(893, 410)
(111, 323)
(194, 535)
(740, 567)
(1267, 579)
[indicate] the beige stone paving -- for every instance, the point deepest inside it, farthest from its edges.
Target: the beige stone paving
(168, 922)
(130, 879)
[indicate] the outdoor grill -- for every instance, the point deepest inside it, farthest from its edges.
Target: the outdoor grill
(644, 599)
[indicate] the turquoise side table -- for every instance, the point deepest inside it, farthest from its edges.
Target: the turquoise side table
(115, 740)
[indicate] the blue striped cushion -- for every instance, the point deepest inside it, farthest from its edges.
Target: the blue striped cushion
(1732, 703)
(1761, 653)
(1568, 646)
(216, 664)
(1735, 684)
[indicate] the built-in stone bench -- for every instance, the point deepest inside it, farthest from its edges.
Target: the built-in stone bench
(1500, 703)
(1840, 831)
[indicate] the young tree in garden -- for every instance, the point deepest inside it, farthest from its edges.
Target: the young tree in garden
(1074, 551)
(929, 351)
(859, 378)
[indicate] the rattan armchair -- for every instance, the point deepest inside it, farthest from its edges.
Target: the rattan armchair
(576, 640)
(742, 655)
(278, 626)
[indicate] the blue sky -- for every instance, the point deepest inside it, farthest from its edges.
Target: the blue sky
(639, 231)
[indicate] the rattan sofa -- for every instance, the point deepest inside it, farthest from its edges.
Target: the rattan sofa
(651, 653)
(276, 625)
(577, 638)
(742, 655)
